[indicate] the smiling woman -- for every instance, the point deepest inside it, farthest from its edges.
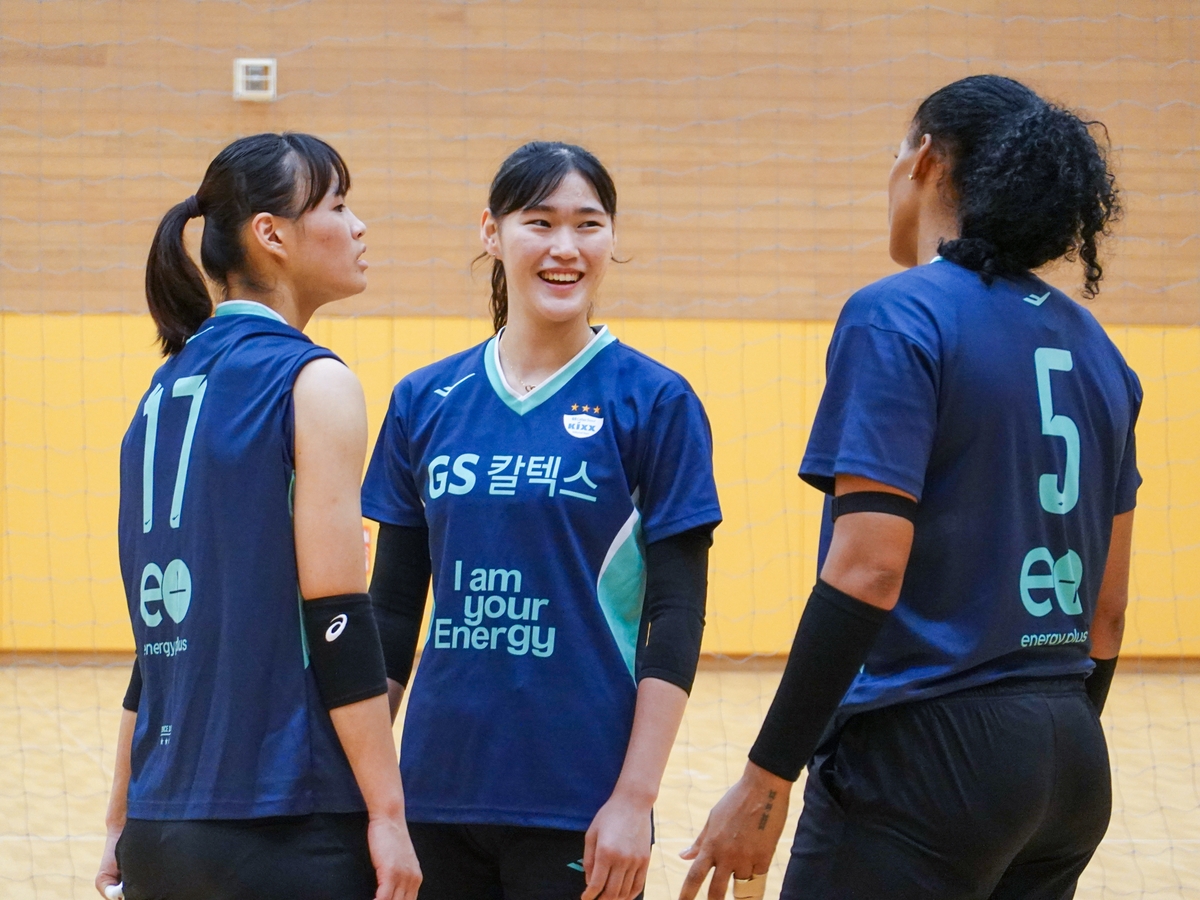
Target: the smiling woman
(564, 502)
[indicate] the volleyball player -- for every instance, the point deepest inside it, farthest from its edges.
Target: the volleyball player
(559, 485)
(976, 430)
(255, 757)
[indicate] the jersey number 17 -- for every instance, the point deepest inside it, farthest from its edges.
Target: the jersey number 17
(172, 587)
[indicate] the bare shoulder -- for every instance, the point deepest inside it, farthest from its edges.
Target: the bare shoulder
(328, 395)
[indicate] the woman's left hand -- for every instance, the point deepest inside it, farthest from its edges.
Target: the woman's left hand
(616, 850)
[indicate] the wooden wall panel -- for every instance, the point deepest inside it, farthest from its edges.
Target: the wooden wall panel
(750, 141)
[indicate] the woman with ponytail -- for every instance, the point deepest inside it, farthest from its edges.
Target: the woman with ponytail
(975, 443)
(558, 485)
(255, 758)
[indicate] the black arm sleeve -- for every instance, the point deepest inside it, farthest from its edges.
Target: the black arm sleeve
(835, 634)
(399, 587)
(133, 693)
(672, 624)
(1099, 681)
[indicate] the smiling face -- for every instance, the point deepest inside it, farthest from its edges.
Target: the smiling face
(555, 253)
(325, 258)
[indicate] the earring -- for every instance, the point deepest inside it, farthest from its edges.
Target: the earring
(910, 178)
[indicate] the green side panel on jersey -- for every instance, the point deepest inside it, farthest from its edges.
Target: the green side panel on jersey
(621, 587)
(303, 633)
(559, 380)
(299, 596)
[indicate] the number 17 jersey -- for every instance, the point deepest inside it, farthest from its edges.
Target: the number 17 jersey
(230, 725)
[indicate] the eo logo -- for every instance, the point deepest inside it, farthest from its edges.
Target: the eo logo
(172, 589)
(1062, 576)
(336, 627)
(581, 426)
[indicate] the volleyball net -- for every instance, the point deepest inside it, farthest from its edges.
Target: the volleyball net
(750, 143)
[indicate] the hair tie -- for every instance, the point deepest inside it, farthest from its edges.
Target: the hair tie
(192, 207)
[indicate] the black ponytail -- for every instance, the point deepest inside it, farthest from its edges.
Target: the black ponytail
(281, 174)
(1030, 179)
(532, 173)
(175, 289)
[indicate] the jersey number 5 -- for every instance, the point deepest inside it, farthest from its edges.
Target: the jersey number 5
(192, 386)
(1047, 360)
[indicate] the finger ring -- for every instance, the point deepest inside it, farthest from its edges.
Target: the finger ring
(752, 888)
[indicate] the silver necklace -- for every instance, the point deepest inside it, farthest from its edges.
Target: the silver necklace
(527, 388)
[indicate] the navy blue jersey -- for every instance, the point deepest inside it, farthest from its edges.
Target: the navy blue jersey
(1008, 412)
(538, 510)
(229, 725)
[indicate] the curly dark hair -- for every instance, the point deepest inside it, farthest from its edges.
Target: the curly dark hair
(1031, 181)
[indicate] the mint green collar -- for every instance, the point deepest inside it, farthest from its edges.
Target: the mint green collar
(247, 308)
(546, 390)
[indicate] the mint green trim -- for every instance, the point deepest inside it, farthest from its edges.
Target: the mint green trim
(303, 632)
(522, 405)
(247, 308)
(621, 587)
(299, 596)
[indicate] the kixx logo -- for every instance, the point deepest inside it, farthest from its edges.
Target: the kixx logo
(583, 425)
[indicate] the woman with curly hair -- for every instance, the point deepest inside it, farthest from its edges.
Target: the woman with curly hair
(975, 443)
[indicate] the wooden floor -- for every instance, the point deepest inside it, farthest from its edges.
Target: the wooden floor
(58, 729)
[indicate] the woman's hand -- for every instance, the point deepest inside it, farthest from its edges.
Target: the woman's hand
(396, 868)
(616, 849)
(114, 818)
(109, 874)
(740, 835)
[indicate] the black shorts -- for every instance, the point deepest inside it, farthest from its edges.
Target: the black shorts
(319, 857)
(996, 793)
(498, 862)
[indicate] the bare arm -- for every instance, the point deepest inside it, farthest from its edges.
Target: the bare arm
(869, 551)
(395, 697)
(1108, 624)
(114, 818)
(331, 445)
(867, 557)
(617, 845)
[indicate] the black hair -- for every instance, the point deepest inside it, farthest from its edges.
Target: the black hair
(1030, 179)
(532, 173)
(282, 174)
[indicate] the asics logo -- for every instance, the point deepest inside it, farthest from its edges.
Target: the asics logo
(444, 392)
(1035, 300)
(336, 627)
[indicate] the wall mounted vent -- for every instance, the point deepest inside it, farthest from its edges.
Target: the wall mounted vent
(254, 79)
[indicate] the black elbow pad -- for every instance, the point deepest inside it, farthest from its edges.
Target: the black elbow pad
(343, 649)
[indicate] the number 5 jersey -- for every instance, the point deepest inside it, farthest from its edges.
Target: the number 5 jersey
(1009, 414)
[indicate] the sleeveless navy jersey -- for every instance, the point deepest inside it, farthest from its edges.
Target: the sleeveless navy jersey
(1008, 412)
(229, 724)
(538, 508)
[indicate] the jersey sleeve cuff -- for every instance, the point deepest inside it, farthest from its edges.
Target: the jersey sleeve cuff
(390, 516)
(821, 473)
(710, 516)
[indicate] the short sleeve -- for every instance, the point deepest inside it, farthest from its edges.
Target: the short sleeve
(676, 490)
(878, 414)
(1128, 477)
(389, 492)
